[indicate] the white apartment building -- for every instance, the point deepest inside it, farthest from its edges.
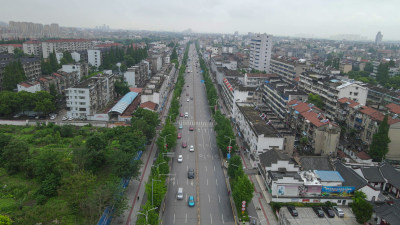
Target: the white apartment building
(260, 52)
(94, 57)
(73, 68)
(332, 89)
(32, 48)
(90, 96)
(129, 76)
(288, 70)
(63, 45)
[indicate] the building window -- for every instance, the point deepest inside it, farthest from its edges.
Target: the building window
(355, 93)
(351, 93)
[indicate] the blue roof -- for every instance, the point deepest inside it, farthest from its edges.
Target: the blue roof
(124, 102)
(326, 175)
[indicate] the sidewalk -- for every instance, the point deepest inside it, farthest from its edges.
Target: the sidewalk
(261, 198)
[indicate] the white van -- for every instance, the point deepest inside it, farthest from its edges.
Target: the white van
(186, 114)
(179, 195)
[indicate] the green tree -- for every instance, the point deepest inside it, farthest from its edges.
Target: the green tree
(380, 142)
(123, 67)
(4, 141)
(382, 75)
(242, 190)
(158, 191)
(316, 100)
(235, 168)
(16, 155)
(18, 53)
(5, 220)
(121, 87)
(76, 188)
(123, 164)
(152, 215)
(44, 102)
(10, 103)
(174, 55)
(27, 101)
(361, 208)
(369, 67)
(13, 74)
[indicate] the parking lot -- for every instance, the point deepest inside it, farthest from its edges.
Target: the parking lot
(308, 216)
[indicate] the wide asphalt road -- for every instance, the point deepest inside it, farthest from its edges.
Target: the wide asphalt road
(212, 205)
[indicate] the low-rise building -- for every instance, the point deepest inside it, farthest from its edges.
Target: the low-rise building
(62, 45)
(32, 48)
(287, 68)
(9, 48)
(90, 96)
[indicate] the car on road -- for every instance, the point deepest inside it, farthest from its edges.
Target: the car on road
(180, 126)
(339, 212)
(292, 211)
(187, 94)
(318, 211)
(181, 114)
(180, 158)
(184, 145)
(191, 98)
(187, 100)
(191, 148)
(191, 128)
(191, 201)
(329, 211)
(179, 135)
(191, 173)
(186, 114)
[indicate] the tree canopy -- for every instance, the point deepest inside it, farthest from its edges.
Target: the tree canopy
(380, 142)
(13, 74)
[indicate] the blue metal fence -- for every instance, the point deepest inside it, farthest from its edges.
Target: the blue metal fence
(106, 218)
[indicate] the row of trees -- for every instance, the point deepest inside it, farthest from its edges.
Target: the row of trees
(380, 142)
(128, 57)
(51, 65)
(156, 188)
(16, 102)
(242, 187)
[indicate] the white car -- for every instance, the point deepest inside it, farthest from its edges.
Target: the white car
(70, 118)
(191, 148)
(180, 158)
(64, 118)
(186, 114)
(187, 100)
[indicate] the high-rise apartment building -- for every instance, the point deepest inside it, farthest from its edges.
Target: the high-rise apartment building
(378, 38)
(260, 52)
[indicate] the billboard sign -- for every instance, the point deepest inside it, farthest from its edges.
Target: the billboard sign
(344, 191)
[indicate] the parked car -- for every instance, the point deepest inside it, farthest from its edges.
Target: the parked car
(181, 114)
(191, 201)
(70, 119)
(318, 211)
(179, 135)
(191, 173)
(180, 158)
(64, 118)
(191, 128)
(329, 211)
(339, 212)
(180, 126)
(292, 210)
(184, 145)
(191, 148)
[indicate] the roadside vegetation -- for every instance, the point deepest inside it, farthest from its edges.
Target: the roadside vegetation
(67, 174)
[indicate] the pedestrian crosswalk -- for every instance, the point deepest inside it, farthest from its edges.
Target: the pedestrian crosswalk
(196, 123)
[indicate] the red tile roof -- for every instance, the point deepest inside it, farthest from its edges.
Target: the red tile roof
(297, 79)
(394, 108)
(67, 40)
(57, 75)
(350, 102)
(32, 42)
(149, 105)
(363, 156)
(137, 90)
(302, 107)
(14, 45)
(108, 45)
(341, 154)
(25, 84)
(292, 102)
(313, 118)
(376, 115)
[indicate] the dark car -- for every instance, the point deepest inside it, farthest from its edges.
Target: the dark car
(329, 211)
(318, 211)
(191, 173)
(292, 210)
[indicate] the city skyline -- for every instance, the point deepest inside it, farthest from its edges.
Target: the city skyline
(320, 19)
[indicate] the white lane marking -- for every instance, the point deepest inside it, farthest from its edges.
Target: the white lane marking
(191, 183)
(186, 197)
(219, 198)
(223, 218)
(187, 181)
(177, 183)
(211, 218)
(216, 181)
(207, 181)
(174, 218)
(186, 218)
(209, 199)
(212, 157)
(214, 168)
(206, 168)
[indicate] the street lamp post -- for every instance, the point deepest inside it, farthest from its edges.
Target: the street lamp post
(152, 190)
(147, 213)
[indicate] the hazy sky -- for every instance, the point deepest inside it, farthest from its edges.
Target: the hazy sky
(320, 18)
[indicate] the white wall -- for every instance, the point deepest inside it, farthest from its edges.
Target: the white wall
(155, 97)
(31, 89)
(348, 92)
(283, 164)
(370, 192)
(94, 57)
(76, 56)
(72, 68)
(269, 142)
(59, 56)
(130, 78)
